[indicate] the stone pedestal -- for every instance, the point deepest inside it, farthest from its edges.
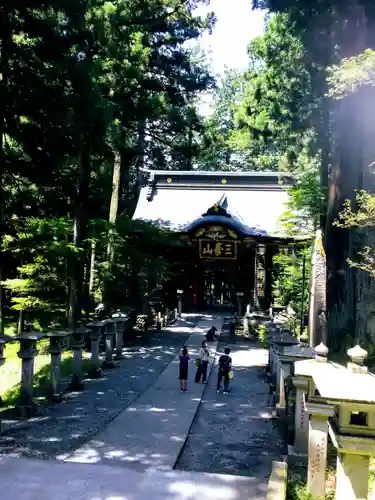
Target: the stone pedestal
(56, 347)
(95, 333)
(158, 322)
(287, 359)
(179, 303)
(353, 457)
(317, 447)
(285, 340)
(301, 417)
(3, 340)
(352, 477)
(109, 332)
(27, 353)
(281, 403)
(78, 343)
(119, 332)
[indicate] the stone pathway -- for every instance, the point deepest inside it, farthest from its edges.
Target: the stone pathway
(150, 433)
(28, 479)
(235, 434)
(122, 438)
(66, 426)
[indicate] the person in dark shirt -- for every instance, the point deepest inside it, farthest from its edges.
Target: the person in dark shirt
(225, 365)
(210, 335)
(184, 369)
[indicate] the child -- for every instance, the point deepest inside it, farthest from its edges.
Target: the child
(184, 368)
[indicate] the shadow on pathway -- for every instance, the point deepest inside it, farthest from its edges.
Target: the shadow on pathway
(235, 434)
(66, 426)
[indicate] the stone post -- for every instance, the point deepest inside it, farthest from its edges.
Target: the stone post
(158, 322)
(353, 458)
(78, 343)
(301, 417)
(3, 340)
(95, 334)
(119, 331)
(179, 300)
(57, 345)
(109, 331)
(284, 374)
(27, 353)
(239, 304)
(317, 447)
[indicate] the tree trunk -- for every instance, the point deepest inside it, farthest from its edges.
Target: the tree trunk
(79, 234)
(92, 267)
(5, 45)
(113, 210)
(189, 159)
(141, 147)
(1, 301)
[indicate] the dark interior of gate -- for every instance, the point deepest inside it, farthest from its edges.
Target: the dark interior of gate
(229, 224)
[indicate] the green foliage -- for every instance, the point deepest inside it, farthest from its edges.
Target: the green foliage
(351, 74)
(217, 152)
(105, 79)
(261, 333)
(288, 280)
(363, 217)
(264, 120)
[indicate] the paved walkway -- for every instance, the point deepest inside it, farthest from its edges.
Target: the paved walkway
(145, 428)
(235, 434)
(66, 426)
(27, 479)
(150, 433)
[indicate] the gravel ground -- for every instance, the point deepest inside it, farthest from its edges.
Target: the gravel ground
(234, 434)
(66, 426)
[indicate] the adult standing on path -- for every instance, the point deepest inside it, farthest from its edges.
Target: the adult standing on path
(202, 364)
(225, 366)
(184, 369)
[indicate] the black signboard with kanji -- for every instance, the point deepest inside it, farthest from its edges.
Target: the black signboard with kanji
(213, 249)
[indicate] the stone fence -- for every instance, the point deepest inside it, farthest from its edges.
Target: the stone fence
(315, 398)
(112, 330)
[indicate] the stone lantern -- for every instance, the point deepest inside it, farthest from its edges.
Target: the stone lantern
(109, 332)
(3, 340)
(96, 328)
(78, 343)
(352, 428)
(27, 353)
(120, 319)
(331, 386)
(306, 392)
(290, 355)
(179, 302)
(58, 344)
(279, 343)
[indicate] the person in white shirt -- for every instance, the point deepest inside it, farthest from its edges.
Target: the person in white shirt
(202, 363)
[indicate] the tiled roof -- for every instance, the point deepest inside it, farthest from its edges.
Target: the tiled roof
(177, 200)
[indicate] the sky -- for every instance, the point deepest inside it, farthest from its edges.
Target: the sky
(236, 25)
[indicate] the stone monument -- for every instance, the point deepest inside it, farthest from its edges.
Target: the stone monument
(317, 295)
